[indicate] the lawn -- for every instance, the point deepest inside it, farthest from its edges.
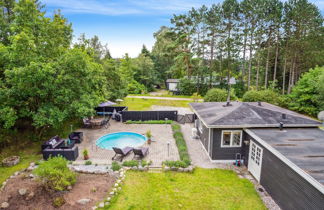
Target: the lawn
(204, 189)
(139, 104)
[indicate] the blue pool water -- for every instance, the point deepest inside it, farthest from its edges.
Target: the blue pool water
(121, 140)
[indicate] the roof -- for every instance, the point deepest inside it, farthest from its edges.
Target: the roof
(173, 80)
(249, 115)
(304, 147)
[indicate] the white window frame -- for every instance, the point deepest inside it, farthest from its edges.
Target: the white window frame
(231, 140)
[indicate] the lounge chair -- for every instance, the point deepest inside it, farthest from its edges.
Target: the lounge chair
(76, 136)
(141, 152)
(121, 152)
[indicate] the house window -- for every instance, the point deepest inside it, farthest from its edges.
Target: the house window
(231, 138)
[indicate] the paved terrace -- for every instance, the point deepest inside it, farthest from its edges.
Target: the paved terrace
(158, 151)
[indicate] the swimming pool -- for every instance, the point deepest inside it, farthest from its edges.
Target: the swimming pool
(121, 140)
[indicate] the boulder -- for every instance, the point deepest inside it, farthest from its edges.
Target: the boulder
(107, 204)
(180, 169)
(69, 187)
(22, 191)
(4, 205)
(116, 184)
(102, 204)
(16, 173)
(108, 199)
(167, 168)
(112, 193)
(83, 201)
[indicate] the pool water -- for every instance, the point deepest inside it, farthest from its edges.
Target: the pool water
(121, 140)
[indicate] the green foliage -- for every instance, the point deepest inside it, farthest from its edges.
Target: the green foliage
(149, 122)
(58, 201)
(88, 162)
(148, 134)
(130, 163)
(115, 166)
(176, 164)
(85, 153)
(307, 95)
(181, 143)
(145, 163)
(268, 96)
(186, 87)
(218, 95)
(55, 175)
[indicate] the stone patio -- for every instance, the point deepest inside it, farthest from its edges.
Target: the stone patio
(158, 151)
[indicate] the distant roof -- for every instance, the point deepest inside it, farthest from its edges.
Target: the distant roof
(249, 115)
(173, 80)
(302, 146)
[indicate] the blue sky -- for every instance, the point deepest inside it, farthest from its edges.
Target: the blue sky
(125, 24)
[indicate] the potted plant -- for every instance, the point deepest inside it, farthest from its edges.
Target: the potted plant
(85, 154)
(149, 136)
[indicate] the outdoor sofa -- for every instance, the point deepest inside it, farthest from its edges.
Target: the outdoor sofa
(57, 146)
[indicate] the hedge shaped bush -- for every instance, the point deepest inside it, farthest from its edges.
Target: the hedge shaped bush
(181, 144)
(218, 95)
(54, 174)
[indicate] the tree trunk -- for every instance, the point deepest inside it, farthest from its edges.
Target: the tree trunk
(244, 52)
(267, 69)
(211, 61)
(284, 76)
(276, 58)
(257, 75)
(250, 61)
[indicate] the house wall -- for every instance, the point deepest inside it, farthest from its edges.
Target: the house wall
(204, 136)
(224, 153)
(289, 189)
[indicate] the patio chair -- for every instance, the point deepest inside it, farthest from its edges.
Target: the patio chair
(76, 136)
(87, 123)
(141, 152)
(122, 152)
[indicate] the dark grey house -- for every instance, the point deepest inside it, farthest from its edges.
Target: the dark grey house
(283, 150)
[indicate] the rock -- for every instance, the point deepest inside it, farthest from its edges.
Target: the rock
(30, 196)
(83, 201)
(185, 170)
(134, 167)
(118, 181)
(174, 168)
(22, 191)
(4, 183)
(69, 187)
(180, 169)
(116, 184)
(30, 168)
(16, 173)
(4, 205)
(31, 176)
(107, 204)
(167, 168)
(94, 208)
(114, 189)
(119, 188)
(102, 204)
(108, 199)
(112, 193)
(32, 164)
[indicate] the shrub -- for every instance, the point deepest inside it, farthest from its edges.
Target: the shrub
(218, 95)
(58, 201)
(268, 95)
(145, 163)
(308, 94)
(85, 154)
(136, 88)
(149, 122)
(186, 87)
(130, 163)
(115, 166)
(55, 175)
(176, 164)
(181, 144)
(88, 162)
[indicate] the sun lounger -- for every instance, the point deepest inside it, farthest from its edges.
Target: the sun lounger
(141, 152)
(122, 152)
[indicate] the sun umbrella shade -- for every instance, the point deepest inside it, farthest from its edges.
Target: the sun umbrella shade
(107, 103)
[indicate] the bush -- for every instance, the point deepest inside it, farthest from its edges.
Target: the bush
(55, 175)
(149, 122)
(186, 87)
(145, 163)
(130, 163)
(218, 95)
(181, 144)
(268, 96)
(176, 164)
(115, 166)
(308, 94)
(88, 162)
(136, 88)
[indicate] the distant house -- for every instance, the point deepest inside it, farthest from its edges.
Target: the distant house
(283, 150)
(172, 85)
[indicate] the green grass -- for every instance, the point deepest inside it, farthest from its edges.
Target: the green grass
(139, 104)
(27, 155)
(204, 189)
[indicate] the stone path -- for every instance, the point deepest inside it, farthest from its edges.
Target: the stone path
(164, 98)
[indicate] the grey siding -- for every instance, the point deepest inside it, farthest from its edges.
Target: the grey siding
(219, 153)
(204, 136)
(287, 188)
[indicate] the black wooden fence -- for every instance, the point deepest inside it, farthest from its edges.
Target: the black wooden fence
(149, 115)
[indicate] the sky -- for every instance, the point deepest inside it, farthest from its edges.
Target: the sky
(125, 25)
